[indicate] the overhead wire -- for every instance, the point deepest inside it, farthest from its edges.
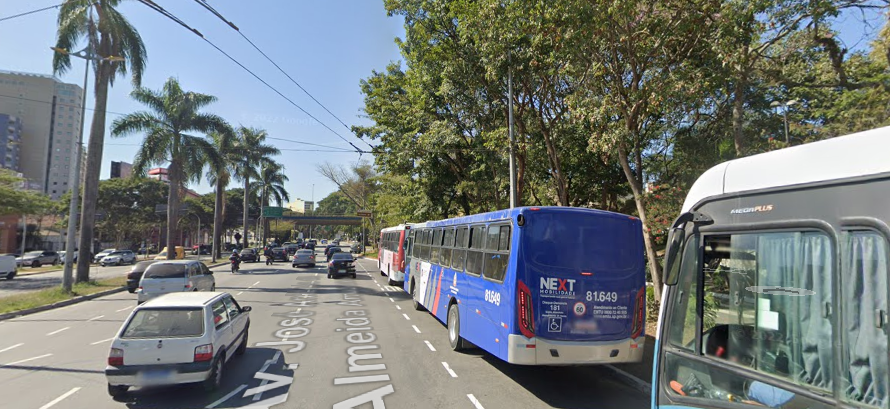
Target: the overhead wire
(210, 8)
(169, 15)
(2, 19)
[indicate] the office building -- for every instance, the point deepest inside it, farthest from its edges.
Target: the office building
(10, 142)
(121, 170)
(301, 206)
(50, 115)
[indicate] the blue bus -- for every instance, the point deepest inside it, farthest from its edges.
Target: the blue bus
(534, 285)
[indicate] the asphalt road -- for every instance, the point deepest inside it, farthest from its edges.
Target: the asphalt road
(56, 359)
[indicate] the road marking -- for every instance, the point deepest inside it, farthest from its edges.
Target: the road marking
(96, 318)
(60, 398)
(102, 341)
(430, 346)
(293, 366)
(417, 330)
(316, 274)
(26, 360)
(398, 307)
(475, 401)
(57, 331)
(391, 300)
(263, 369)
(254, 284)
(450, 371)
(124, 309)
(14, 346)
(406, 317)
(225, 398)
(361, 379)
(240, 293)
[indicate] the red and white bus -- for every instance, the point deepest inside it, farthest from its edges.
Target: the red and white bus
(391, 257)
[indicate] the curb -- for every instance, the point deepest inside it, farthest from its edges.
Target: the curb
(60, 304)
(640, 385)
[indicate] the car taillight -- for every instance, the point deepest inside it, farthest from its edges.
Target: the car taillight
(116, 357)
(639, 314)
(204, 353)
(312, 256)
(526, 312)
(187, 286)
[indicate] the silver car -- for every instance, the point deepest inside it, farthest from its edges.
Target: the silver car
(304, 257)
(118, 257)
(174, 276)
(37, 258)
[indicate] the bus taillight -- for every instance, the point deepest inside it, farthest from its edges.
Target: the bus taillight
(639, 314)
(526, 313)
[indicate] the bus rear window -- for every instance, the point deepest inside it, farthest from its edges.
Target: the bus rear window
(581, 242)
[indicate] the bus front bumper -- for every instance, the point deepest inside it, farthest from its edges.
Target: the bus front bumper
(538, 351)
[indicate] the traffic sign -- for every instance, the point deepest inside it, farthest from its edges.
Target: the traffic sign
(363, 213)
(273, 211)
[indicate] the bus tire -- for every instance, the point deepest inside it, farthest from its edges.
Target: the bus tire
(417, 305)
(454, 338)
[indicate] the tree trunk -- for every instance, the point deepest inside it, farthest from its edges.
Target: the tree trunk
(738, 112)
(637, 188)
(217, 220)
(91, 179)
(173, 206)
(246, 193)
(562, 191)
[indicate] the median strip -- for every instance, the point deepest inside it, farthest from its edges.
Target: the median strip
(49, 298)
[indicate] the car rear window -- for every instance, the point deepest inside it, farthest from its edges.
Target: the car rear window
(165, 271)
(305, 252)
(165, 323)
(246, 251)
(342, 256)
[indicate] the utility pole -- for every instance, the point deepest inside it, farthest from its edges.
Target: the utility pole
(514, 200)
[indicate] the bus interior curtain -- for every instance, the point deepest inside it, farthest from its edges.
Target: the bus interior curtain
(865, 280)
(800, 261)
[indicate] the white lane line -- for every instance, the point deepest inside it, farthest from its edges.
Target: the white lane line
(14, 346)
(406, 317)
(263, 369)
(60, 398)
(103, 341)
(96, 318)
(475, 401)
(398, 307)
(124, 309)
(316, 274)
(57, 331)
(450, 371)
(430, 346)
(417, 330)
(254, 284)
(391, 300)
(385, 294)
(240, 293)
(26, 360)
(225, 398)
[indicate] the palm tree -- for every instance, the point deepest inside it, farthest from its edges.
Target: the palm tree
(270, 186)
(251, 153)
(219, 175)
(172, 114)
(107, 34)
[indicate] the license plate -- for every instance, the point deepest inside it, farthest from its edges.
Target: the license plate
(155, 376)
(343, 270)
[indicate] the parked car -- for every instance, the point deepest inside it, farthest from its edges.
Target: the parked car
(118, 257)
(303, 257)
(62, 255)
(98, 257)
(249, 255)
(37, 258)
(135, 274)
(201, 249)
(180, 253)
(341, 264)
(8, 267)
(332, 251)
(323, 241)
(177, 339)
(174, 276)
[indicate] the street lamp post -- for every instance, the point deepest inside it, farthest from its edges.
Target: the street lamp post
(784, 106)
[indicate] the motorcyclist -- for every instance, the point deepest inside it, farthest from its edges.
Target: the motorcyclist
(269, 256)
(235, 259)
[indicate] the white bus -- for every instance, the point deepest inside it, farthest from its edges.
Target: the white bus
(776, 282)
(391, 256)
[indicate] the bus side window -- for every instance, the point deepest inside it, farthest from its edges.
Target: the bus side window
(436, 248)
(497, 256)
(425, 244)
(475, 254)
(447, 244)
(460, 253)
(412, 244)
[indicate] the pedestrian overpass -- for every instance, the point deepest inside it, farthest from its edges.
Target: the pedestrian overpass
(320, 220)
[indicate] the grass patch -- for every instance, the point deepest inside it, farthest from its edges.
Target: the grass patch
(371, 254)
(48, 296)
(23, 271)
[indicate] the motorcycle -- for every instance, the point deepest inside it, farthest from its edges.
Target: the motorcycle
(236, 265)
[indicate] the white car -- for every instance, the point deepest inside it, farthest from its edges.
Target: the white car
(174, 276)
(98, 258)
(177, 339)
(118, 257)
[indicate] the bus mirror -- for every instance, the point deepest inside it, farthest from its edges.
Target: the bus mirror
(672, 264)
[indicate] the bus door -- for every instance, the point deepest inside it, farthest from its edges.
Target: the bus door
(480, 328)
(494, 297)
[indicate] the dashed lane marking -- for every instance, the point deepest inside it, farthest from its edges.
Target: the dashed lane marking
(417, 330)
(391, 300)
(429, 345)
(450, 371)
(57, 331)
(398, 307)
(124, 309)
(406, 317)
(475, 401)
(26, 360)
(12, 347)
(102, 341)
(60, 398)
(96, 318)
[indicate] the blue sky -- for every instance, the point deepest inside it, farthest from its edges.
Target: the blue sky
(327, 46)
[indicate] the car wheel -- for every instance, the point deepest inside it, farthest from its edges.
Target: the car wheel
(56, 262)
(457, 343)
(329, 274)
(117, 391)
(392, 282)
(353, 275)
(10, 275)
(417, 305)
(214, 381)
(213, 288)
(131, 290)
(120, 263)
(35, 264)
(242, 348)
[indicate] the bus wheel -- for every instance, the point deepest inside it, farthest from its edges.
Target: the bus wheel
(457, 343)
(417, 306)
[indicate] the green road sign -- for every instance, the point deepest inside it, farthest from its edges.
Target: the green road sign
(273, 211)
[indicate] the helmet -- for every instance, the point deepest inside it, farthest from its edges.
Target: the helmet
(235, 251)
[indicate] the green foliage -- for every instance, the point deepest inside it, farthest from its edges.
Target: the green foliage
(129, 208)
(662, 202)
(15, 200)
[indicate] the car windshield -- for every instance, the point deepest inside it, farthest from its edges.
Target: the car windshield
(159, 271)
(34, 253)
(165, 323)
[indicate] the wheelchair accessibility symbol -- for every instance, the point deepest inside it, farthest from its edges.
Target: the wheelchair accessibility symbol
(555, 324)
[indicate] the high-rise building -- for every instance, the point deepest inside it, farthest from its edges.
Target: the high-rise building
(301, 206)
(121, 170)
(10, 142)
(50, 114)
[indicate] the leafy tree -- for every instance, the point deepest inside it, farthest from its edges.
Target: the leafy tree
(173, 114)
(269, 186)
(219, 175)
(129, 208)
(15, 200)
(250, 153)
(110, 36)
